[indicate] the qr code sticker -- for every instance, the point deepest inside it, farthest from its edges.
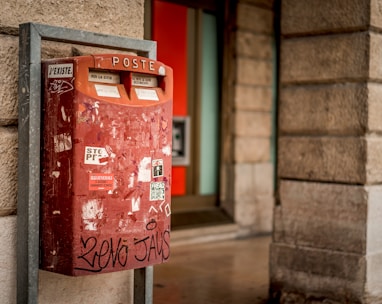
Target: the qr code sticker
(157, 191)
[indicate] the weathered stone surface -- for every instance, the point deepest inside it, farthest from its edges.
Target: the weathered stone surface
(262, 3)
(337, 276)
(8, 79)
(373, 225)
(243, 179)
(252, 149)
(332, 159)
(51, 49)
(374, 107)
(247, 15)
(284, 297)
(245, 212)
(264, 214)
(254, 45)
(8, 259)
(251, 123)
(109, 17)
(253, 179)
(254, 216)
(263, 176)
(253, 98)
(325, 58)
(93, 289)
(374, 160)
(375, 56)
(340, 109)
(373, 288)
(254, 198)
(326, 216)
(376, 13)
(254, 72)
(311, 16)
(9, 68)
(8, 172)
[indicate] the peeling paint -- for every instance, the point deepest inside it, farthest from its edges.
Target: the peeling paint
(56, 174)
(64, 117)
(131, 181)
(166, 150)
(92, 213)
(62, 142)
(136, 204)
(144, 170)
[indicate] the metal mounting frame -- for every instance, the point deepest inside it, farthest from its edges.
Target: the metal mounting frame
(29, 132)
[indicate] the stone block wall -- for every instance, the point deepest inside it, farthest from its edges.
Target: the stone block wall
(327, 245)
(250, 112)
(108, 17)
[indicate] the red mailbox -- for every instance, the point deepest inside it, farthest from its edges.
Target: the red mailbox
(106, 168)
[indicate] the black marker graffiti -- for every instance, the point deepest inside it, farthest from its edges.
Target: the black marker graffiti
(98, 257)
(158, 244)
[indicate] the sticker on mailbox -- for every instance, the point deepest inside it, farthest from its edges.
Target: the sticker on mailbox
(157, 165)
(147, 94)
(62, 142)
(62, 70)
(95, 156)
(157, 191)
(144, 80)
(104, 77)
(107, 91)
(101, 181)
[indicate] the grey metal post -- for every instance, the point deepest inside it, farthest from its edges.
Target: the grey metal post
(143, 285)
(28, 198)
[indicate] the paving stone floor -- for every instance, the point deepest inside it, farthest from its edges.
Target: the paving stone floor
(224, 272)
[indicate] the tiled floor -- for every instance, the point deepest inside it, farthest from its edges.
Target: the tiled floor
(224, 272)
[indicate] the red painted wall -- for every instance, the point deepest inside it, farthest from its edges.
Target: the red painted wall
(169, 29)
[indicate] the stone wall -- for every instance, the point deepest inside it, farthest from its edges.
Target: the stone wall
(327, 238)
(109, 17)
(252, 117)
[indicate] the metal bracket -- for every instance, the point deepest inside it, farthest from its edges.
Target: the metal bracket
(28, 200)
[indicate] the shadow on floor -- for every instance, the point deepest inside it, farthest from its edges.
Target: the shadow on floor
(224, 272)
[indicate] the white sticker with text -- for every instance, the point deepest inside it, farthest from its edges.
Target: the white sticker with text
(96, 156)
(147, 94)
(63, 70)
(107, 91)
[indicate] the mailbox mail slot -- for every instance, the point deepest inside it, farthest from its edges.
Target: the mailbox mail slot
(106, 164)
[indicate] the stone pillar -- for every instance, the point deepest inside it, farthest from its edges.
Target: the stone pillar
(327, 242)
(249, 134)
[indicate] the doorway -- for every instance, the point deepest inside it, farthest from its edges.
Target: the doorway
(189, 40)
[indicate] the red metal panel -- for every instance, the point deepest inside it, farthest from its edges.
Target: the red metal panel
(178, 185)
(170, 31)
(106, 164)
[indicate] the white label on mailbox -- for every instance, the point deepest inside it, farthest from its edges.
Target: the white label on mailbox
(157, 191)
(147, 94)
(104, 77)
(63, 70)
(107, 91)
(144, 80)
(96, 156)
